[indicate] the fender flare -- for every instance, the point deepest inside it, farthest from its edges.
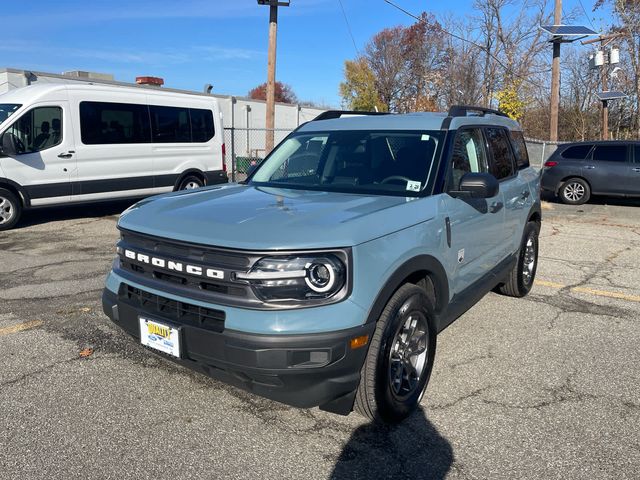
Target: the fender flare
(22, 192)
(397, 279)
(535, 209)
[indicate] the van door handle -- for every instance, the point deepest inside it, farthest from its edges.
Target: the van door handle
(68, 154)
(589, 167)
(525, 194)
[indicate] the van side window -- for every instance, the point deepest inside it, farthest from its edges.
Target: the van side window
(114, 123)
(201, 125)
(520, 149)
(502, 164)
(610, 153)
(38, 129)
(469, 155)
(170, 124)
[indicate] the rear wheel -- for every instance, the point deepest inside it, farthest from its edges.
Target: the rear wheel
(400, 358)
(10, 209)
(523, 273)
(190, 182)
(575, 191)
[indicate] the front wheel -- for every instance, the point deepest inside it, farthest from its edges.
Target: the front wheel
(10, 209)
(400, 358)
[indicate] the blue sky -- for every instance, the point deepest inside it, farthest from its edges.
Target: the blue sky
(193, 42)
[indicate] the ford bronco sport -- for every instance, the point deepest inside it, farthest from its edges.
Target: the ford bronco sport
(324, 279)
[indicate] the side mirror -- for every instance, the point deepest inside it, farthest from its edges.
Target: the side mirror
(478, 185)
(8, 147)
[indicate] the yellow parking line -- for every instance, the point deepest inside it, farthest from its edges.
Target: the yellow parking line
(20, 327)
(591, 291)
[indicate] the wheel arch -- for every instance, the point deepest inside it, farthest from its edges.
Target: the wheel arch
(17, 190)
(191, 171)
(423, 270)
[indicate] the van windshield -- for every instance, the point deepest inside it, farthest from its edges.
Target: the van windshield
(399, 163)
(7, 109)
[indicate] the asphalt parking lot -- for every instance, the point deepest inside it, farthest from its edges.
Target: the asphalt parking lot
(542, 387)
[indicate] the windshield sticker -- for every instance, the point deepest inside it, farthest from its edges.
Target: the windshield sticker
(425, 137)
(413, 186)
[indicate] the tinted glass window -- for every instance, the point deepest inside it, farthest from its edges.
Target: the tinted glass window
(637, 153)
(113, 123)
(38, 129)
(201, 125)
(501, 165)
(377, 163)
(579, 152)
(468, 156)
(610, 153)
(170, 124)
(520, 149)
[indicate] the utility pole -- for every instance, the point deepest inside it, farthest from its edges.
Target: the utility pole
(555, 75)
(605, 60)
(271, 69)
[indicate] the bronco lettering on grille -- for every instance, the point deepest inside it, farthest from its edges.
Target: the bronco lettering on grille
(174, 266)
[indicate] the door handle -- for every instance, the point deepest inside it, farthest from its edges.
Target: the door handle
(525, 194)
(589, 167)
(637, 169)
(496, 207)
(66, 155)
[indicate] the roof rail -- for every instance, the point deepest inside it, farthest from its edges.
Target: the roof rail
(463, 111)
(330, 114)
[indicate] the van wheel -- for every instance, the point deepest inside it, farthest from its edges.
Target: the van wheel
(10, 209)
(400, 358)
(523, 273)
(575, 191)
(190, 182)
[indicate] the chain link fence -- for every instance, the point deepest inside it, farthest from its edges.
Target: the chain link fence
(246, 147)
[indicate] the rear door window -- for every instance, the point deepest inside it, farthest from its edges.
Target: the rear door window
(610, 153)
(577, 152)
(502, 160)
(106, 123)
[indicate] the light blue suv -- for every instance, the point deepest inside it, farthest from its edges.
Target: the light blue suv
(325, 277)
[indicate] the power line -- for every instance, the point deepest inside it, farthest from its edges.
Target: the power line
(586, 15)
(346, 20)
(506, 68)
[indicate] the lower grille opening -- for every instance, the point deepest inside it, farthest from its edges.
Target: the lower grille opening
(182, 312)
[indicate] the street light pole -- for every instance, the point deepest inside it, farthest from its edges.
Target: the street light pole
(555, 76)
(271, 70)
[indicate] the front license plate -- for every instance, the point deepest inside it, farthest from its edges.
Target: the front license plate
(160, 337)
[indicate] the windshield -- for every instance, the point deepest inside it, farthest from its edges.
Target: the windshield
(383, 163)
(7, 109)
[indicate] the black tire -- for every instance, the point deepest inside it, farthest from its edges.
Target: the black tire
(379, 397)
(190, 182)
(574, 191)
(522, 275)
(10, 209)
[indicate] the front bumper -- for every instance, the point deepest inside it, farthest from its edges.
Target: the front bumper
(318, 369)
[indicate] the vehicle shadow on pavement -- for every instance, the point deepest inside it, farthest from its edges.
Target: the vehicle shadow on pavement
(414, 449)
(52, 214)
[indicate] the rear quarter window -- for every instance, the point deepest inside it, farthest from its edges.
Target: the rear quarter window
(577, 152)
(520, 149)
(610, 153)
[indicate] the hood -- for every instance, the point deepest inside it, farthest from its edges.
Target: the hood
(259, 218)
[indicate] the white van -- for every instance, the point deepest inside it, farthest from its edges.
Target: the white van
(62, 143)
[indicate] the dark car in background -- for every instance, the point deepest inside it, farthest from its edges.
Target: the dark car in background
(576, 171)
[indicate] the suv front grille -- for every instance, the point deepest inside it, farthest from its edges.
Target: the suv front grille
(181, 312)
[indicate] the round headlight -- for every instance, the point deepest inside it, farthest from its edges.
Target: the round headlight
(321, 277)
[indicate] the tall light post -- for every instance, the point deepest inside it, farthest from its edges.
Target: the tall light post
(271, 69)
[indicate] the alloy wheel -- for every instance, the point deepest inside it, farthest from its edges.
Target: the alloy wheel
(408, 356)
